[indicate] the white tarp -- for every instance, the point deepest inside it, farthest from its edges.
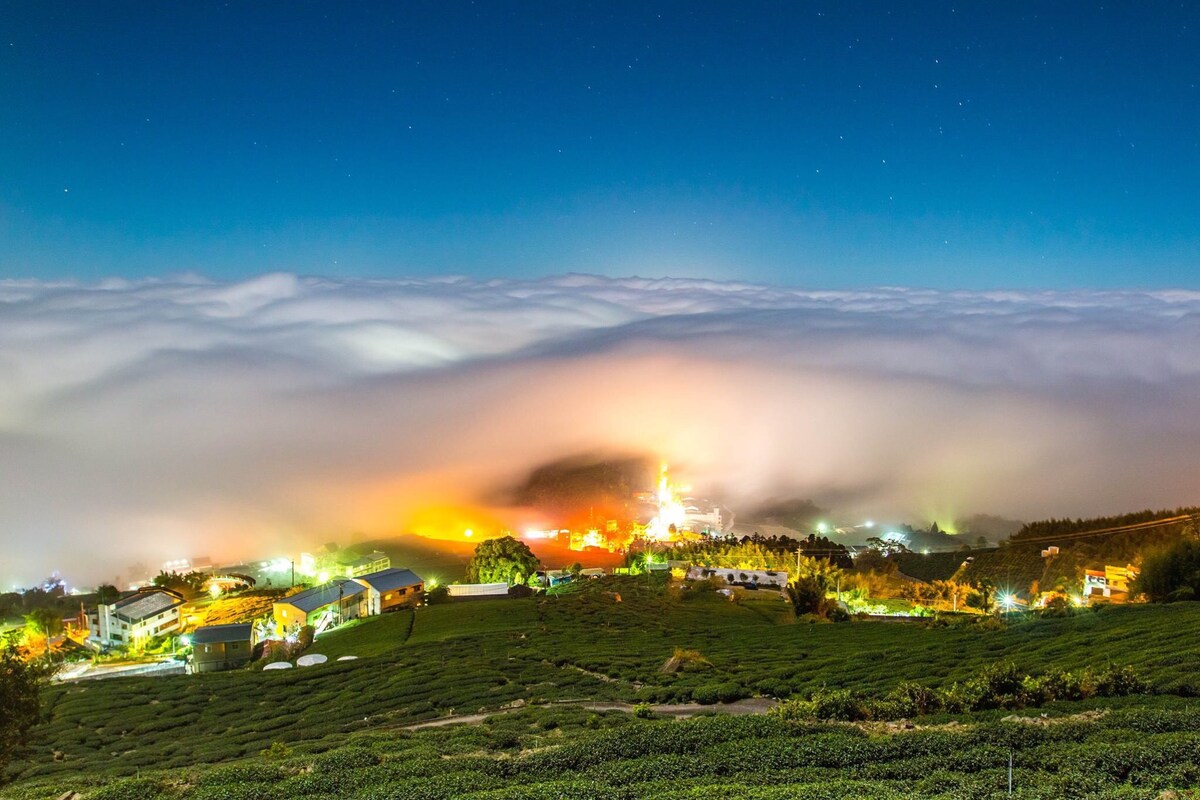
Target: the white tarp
(477, 589)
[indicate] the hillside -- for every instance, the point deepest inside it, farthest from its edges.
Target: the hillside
(1018, 564)
(445, 560)
(604, 642)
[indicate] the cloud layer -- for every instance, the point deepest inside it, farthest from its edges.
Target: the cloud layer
(146, 420)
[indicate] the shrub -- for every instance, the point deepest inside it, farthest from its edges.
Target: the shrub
(1119, 682)
(913, 699)
(837, 704)
(276, 750)
(643, 711)
(685, 661)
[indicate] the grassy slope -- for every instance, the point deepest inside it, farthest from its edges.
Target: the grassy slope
(373, 636)
(462, 657)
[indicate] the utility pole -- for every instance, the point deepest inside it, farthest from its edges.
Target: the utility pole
(292, 561)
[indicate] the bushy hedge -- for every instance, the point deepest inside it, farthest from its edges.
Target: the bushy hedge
(998, 686)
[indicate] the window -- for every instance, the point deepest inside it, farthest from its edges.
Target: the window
(387, 596)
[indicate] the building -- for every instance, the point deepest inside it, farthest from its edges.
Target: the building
(134, 620)
(477, 589)
(392, 588)
(220, 647)
(701, 517)
(1112, 582)
(750, 578)
(322, 606)
(374, 561)
(557, 577)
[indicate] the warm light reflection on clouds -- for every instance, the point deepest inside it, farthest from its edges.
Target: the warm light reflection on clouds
(141, 421)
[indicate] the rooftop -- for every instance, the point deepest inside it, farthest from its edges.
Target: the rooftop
(218, 634)
(323, 595)
(146, 603)
(388, 579)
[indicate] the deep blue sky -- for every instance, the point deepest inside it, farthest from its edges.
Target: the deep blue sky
(829, 145)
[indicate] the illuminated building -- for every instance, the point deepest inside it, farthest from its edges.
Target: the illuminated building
(134, 619)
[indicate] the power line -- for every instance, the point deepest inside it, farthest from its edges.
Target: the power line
(1130, 528)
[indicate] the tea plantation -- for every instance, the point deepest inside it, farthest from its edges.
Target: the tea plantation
(339, 730)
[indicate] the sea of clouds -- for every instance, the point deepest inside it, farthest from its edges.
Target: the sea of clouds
(141, 420)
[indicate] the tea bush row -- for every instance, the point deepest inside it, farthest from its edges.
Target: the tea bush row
(998, 686)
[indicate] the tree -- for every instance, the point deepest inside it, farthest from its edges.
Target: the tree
(44, 623)
(190, 583)
(107, 594)
(503, 560)
(20, 685)
(1171, 574)
(871, 560)
(825, 548)
(808, 597)
(887, 546)
(982, 597)
(952, 593)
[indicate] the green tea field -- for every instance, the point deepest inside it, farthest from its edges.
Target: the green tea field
(342, 729)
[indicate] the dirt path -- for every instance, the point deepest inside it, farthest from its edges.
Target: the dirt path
(753, 705)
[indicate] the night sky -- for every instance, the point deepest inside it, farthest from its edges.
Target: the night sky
(950, 145)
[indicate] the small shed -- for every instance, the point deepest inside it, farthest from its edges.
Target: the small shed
(221, 647)
(478, 589)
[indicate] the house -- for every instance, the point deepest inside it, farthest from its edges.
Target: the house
(374, 561)
(1112, 582)
(135, 619)
(1050, 551)
(220, 647)
(392, 588)
(750, 578)
(322, 606)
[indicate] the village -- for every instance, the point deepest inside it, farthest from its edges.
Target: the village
(199, 618)
(196, 617)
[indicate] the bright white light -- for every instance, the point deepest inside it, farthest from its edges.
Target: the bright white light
(869, 524)
(822, 527)
(468, 533)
